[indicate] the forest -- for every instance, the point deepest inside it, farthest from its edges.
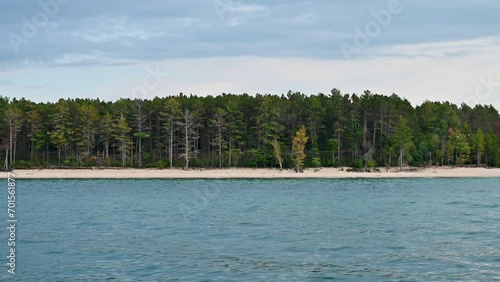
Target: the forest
(264, 131)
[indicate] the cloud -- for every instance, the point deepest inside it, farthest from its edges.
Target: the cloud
(436, 50)
(6, 83)
(161, 30)
(442, 49)
(418, 78)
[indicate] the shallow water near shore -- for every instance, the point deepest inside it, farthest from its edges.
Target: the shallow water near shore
(256, 230)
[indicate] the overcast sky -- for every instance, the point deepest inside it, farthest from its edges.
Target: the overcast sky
(418, 49)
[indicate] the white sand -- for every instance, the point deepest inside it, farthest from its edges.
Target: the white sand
(249, 173)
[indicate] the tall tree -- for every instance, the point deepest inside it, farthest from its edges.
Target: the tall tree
(462, 148)
(277, 152)
(478, 144)
(299, 144)
(106, 132)
(35, 131)
(121, 132)
(140, 123)
(267, 123)
(63, 130)
(89, 117)
(14, 120)
(402, 137)
(171, 115)
(236, 131)
(188, 135)
(219, 125)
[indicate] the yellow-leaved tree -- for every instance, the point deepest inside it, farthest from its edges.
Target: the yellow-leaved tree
(299, 144)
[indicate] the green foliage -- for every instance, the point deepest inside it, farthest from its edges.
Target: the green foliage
(162, 164)
(277, 152)
(248, 130)
(371, 163)
(316, 162)
(478, 144)
(402, 139)
(458, 149)
(462, 148)
(299, 144)
(255, 158)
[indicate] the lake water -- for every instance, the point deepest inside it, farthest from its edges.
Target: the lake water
(256, 230)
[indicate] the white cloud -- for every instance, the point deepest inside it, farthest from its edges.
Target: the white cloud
(418, 78)
(247, 8)
(442, 49)
(78, 57)
(117, 30)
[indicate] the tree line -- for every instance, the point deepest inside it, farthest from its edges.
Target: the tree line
(284, 131)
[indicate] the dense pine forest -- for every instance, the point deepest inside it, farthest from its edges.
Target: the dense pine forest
(361, 131)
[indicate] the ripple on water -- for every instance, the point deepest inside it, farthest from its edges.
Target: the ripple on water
(259, 230)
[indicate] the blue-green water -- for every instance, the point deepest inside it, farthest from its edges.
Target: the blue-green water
(256, 230)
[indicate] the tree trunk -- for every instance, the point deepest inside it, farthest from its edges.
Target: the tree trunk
(220, 145)
(478, 156)
(186, 145)
(140, 152)
(401, 157)
(171, 149)
(230, 151)
(339, 148)
(11, 140)
(7, 160)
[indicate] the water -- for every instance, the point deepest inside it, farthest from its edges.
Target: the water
(256, 230)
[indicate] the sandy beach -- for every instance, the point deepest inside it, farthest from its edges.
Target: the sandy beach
(249, 173)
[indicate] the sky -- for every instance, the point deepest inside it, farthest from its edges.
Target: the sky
(446, 50)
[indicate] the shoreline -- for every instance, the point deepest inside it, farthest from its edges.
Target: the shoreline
(249, 173)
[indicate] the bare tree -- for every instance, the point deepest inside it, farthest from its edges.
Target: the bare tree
(219, 125)
(14, 119)
(140, 120)
(188, 134)
(171, 114)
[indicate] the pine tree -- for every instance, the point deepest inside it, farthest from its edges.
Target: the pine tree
(236, 131)
(121, 132)
(14, 120)
(462, 148)
(478, 144)
(35, 132)
(106, 132)
(171, 115)
(140, 123)
(63, 128)
(89, 117)
(402, 138)
(219, 124)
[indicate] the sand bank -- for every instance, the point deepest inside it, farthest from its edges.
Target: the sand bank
(249, 173)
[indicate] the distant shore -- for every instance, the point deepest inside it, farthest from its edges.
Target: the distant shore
(232, 173)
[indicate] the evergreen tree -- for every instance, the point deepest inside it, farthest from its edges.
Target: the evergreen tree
(14, 120)
(478, 143)
(63, 130)
(121, 132)
(106, 133)
(171, 115)
(218, 123)
(89, 117)
(402, 138)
